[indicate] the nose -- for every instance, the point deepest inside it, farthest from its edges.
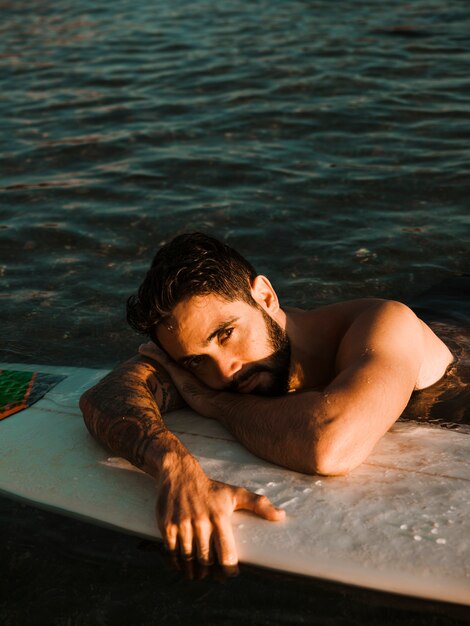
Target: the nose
(226, 368)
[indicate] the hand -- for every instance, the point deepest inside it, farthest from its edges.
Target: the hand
(151, 350)
(196, 395)
(194, 513)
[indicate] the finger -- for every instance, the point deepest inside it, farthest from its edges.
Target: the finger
(185, 536)
(168, 530)
(225, 542)
(230, 571)
(260, 505)
(203, 571)
(172, 560)
(202, 535)
(188, 568)
(170, 536)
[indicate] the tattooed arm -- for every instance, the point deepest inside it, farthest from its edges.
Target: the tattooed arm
(124, 413)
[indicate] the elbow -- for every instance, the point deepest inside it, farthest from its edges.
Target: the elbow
(331, 457)
(91, 414)
(84, 402)
(87, 406)
(326, 464)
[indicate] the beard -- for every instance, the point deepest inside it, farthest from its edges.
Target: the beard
(276, 366)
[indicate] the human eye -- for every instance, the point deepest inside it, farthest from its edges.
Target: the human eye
(194, 362)
(225, 335)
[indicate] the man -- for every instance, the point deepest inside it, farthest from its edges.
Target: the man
(310, 390)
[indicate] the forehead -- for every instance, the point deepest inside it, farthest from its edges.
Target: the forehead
(193, 320)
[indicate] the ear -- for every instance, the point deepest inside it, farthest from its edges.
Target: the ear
(263, 293)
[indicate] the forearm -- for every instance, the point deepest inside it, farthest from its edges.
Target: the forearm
(124, 413)
(311, 432)
(328, 432)
(282, 430)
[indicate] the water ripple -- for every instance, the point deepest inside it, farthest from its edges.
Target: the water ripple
(294, 133)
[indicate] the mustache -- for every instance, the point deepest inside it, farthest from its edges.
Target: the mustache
(241, 377)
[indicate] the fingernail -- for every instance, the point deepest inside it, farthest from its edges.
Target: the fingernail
(231, 570)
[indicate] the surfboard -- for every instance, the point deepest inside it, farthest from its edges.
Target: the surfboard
(399, 523)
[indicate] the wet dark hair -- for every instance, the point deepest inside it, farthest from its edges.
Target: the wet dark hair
(192, 264)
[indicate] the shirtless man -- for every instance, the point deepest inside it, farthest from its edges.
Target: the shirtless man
(312, 391)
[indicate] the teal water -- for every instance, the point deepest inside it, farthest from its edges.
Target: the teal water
(328, 141)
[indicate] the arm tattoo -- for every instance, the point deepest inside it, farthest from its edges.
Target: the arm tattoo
(124, 410)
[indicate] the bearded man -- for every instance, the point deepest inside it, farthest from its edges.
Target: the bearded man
(311, 390)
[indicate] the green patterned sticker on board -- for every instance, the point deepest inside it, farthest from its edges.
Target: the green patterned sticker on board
(18, 390)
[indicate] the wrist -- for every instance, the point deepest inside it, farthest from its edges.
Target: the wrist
(163, 454)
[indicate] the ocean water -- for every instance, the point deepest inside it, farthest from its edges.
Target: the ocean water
(327, 141)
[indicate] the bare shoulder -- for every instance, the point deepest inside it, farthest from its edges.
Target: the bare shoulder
(342, 313)
(353, 320)
(391, 331)
(376, 323)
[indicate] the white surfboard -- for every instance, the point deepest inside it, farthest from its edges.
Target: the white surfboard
(398, 523)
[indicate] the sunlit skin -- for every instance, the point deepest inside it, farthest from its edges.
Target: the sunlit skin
(351, 370)
(226, 345)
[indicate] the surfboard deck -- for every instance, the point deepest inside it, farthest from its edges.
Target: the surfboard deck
(398, 523)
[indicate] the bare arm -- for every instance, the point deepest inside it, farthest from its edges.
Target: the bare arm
(377, 368)
(124, 412)
(333, 431)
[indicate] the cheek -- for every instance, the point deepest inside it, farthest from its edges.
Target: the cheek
(256, 344)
